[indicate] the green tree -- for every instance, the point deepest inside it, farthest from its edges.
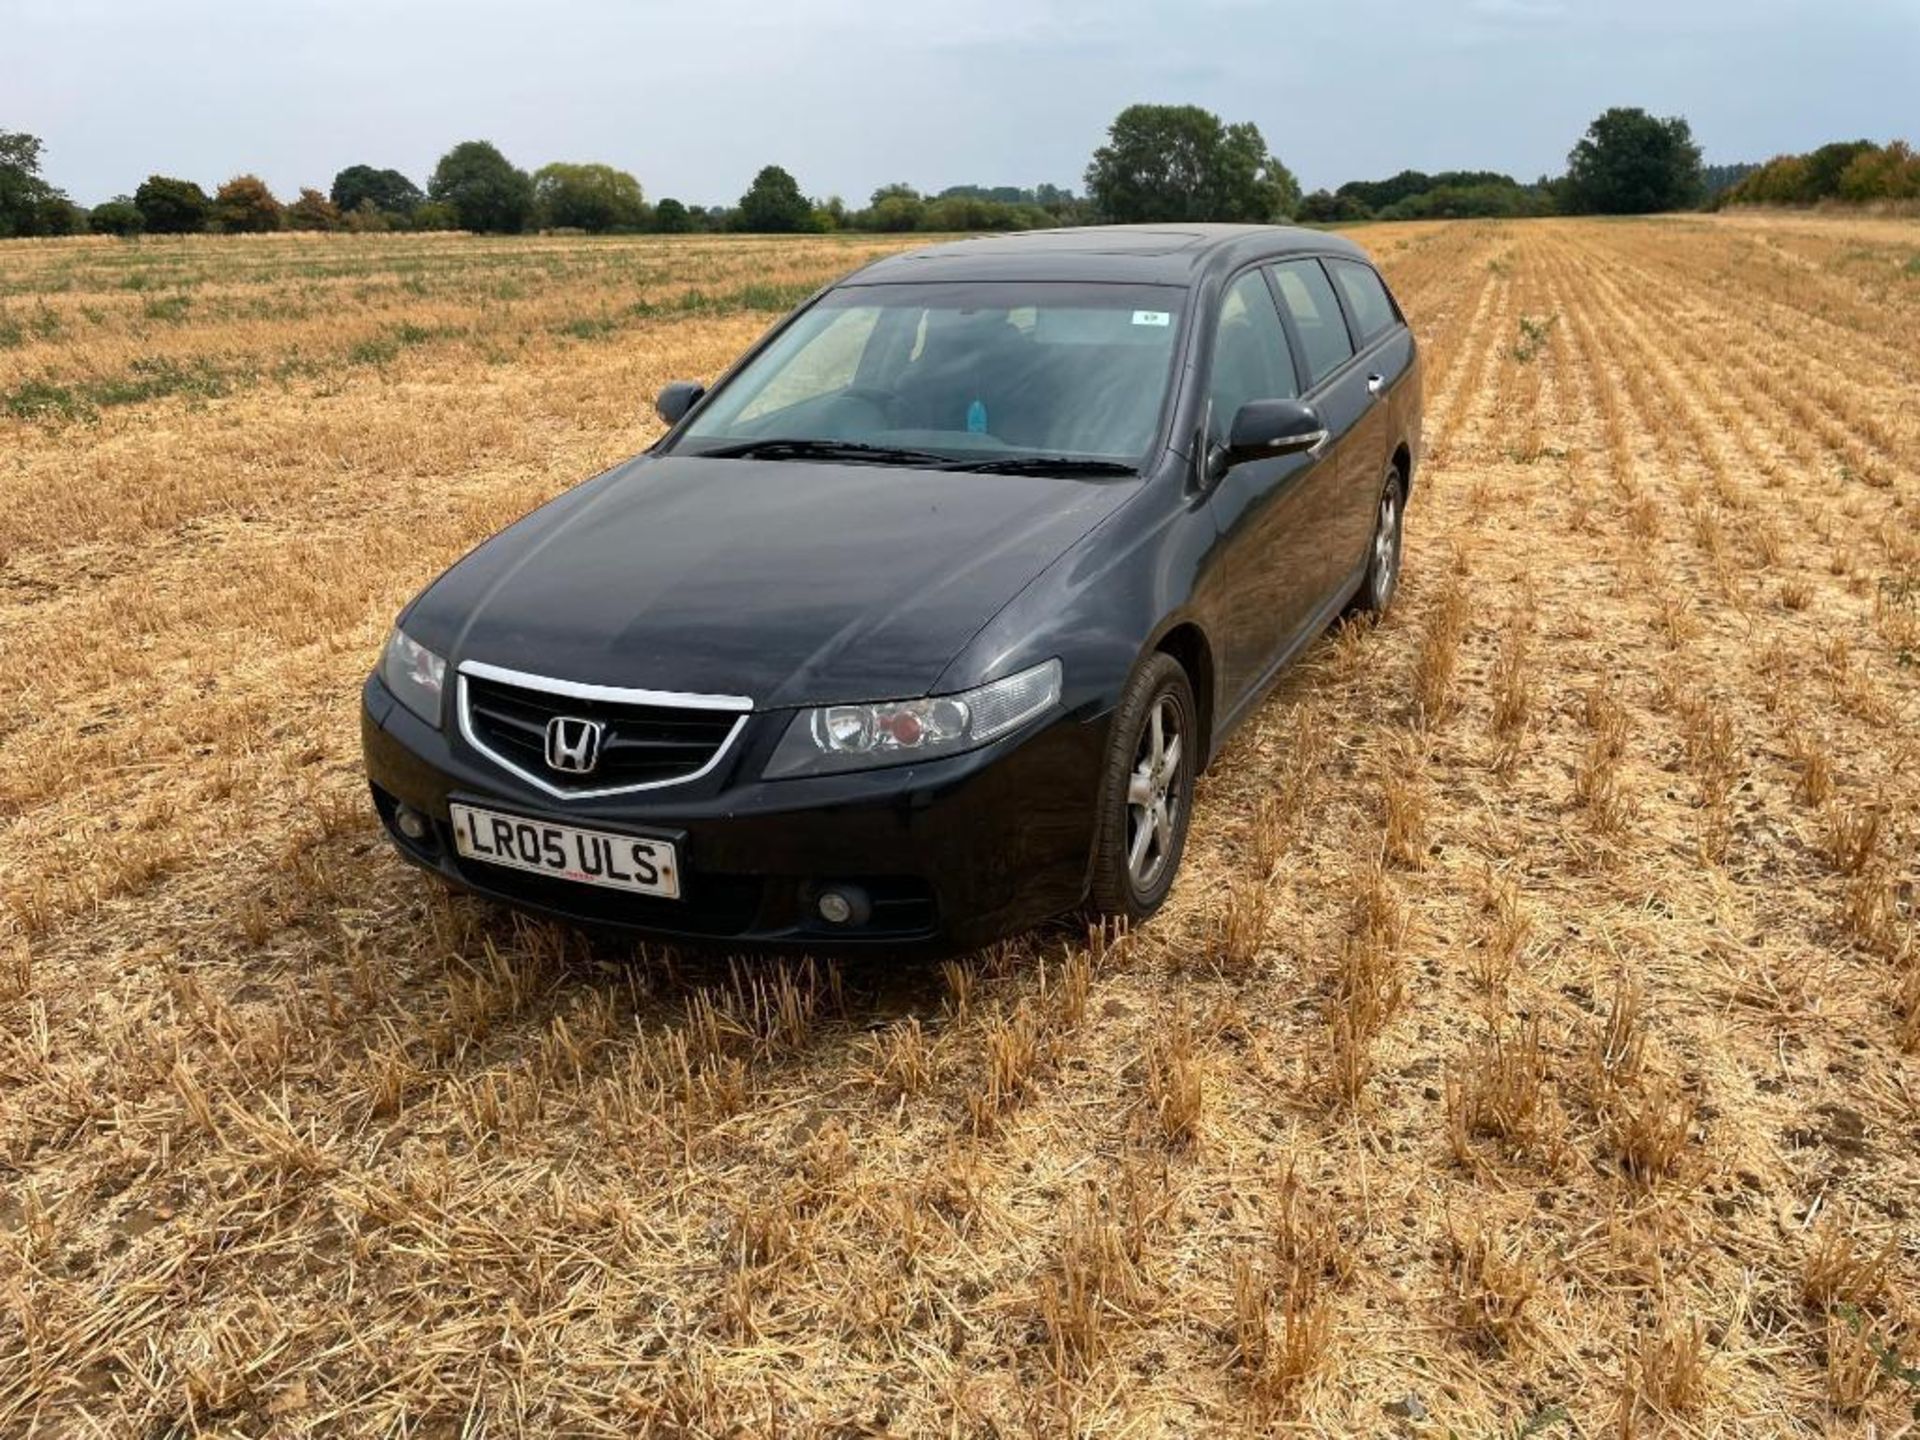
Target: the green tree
(1378, 194)
(21, 187)
(484, 189)
(1781, 181)
(670, 217)
(28, 204)
(172, 207)
(1179, 162)
(433, 215)
(774, 203)
(1848, 170)
(1325, 207)
(1891, 172)
(895, 207)
(1060, 207)
(389, 190)
(594, 198)
(60, 216)
(367, 218)
(1464, 202)
(1826, 165)
(245, 206)
(1632, 163)
(961, 212)
(118, 216)
(313, 211)
(895, 211)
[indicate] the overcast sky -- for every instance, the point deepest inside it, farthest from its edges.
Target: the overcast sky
(694, 95)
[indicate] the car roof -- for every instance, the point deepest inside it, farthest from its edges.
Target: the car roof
(1167, 254)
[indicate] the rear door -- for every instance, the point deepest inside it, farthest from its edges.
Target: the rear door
(1385, 352)
(1272, 551)
(1337, 386)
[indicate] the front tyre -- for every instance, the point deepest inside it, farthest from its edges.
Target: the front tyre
(1146, 791)
(1383, 552)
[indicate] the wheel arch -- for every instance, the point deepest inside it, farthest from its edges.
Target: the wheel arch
(1189, 646)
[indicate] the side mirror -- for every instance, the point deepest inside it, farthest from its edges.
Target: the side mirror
(676, 399)
(1265, 429)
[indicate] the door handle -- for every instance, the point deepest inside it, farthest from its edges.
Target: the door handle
(1376, 385)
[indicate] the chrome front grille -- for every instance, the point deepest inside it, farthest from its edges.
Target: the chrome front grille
(646, 738)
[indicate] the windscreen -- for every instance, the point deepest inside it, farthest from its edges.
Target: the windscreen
(968, 370)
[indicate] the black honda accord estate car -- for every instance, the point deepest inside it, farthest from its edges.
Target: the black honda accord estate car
(917, 624)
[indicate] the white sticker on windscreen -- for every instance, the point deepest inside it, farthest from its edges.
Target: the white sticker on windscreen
(1152, 317)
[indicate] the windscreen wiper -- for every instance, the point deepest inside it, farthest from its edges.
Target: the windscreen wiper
(798, 449)
(1044, 465)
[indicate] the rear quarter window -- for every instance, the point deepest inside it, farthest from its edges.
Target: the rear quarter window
(1366, 297)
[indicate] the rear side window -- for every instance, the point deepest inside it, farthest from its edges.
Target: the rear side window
(1366, 297)
(1250, 356)
(1308, 296)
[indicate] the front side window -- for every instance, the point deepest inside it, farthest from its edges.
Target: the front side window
(1308, 296)
(1366, 297)
(1250, 356)
(968, 370)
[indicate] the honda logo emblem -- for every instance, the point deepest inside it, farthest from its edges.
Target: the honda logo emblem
(573, 745)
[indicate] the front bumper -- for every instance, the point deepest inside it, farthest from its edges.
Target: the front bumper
(952, 853)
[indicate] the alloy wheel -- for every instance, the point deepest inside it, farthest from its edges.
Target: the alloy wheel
(1386, 547)
(1153, 794)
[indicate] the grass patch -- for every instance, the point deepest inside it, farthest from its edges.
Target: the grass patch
(381, 348)
(1533, 336)
(588, 327)
(43, 400)
(761, 296)
(42, 324)
(773, 297)
(171, 309)
(151, 378)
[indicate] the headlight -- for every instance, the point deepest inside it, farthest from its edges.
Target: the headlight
(415, 675)
(899, 732)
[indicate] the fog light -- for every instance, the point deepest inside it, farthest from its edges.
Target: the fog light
(412, 823)
(843, 905)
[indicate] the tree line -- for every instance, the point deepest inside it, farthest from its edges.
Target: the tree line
(1627, 163)
(1159, 163)
(475, 187)
(1848, 171)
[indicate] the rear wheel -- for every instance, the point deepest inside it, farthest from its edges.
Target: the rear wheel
(1383, 552)
(1146, 792)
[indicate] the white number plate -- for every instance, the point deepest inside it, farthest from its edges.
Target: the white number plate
(593, 857)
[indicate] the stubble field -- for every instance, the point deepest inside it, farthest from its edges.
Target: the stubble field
(1529, 1047)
